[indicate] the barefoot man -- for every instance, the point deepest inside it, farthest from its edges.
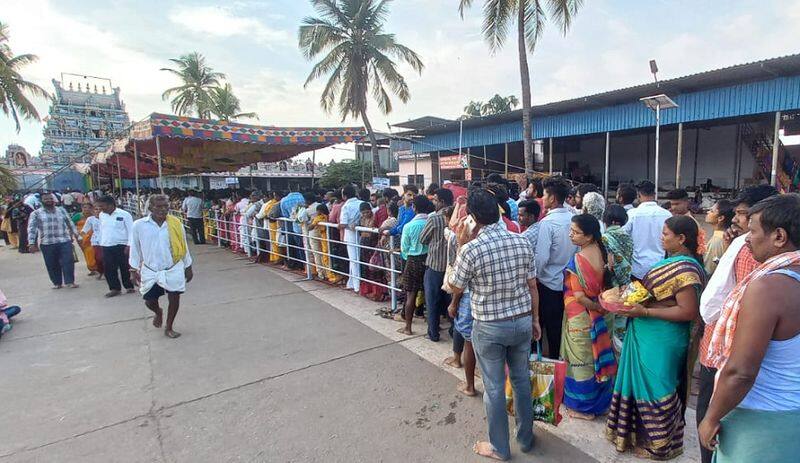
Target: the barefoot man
(160, 261)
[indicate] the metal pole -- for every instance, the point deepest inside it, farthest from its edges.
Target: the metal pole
(136, 174)
(605, 173)
(119, 173)
(313, 167)
(658, 134)
(415, 170)
(551, 155)
(158, 152)
(393, 277)
(775, 145)
(439, 167)
(460, 136)
(506, 153)
(680, 156)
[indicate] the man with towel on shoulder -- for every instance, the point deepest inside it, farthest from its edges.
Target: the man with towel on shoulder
(160, 261)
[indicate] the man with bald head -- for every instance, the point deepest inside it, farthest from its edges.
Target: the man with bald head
(160, 261)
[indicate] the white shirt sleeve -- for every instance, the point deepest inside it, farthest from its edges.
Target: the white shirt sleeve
(128, 225)
(721, 283)
(135, 254)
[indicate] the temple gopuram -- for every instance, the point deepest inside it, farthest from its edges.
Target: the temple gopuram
(85, 114)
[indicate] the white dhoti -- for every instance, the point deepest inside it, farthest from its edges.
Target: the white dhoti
(172, 279)
(351, 238)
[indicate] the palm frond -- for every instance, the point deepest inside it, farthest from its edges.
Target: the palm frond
(535, 20)
(463, 5)
(563, 12)
(317, 35)
(498, 15)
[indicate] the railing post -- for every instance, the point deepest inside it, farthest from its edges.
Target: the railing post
(393, 277)
(309, 254)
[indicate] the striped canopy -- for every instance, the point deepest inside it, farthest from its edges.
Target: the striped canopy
(190, 145)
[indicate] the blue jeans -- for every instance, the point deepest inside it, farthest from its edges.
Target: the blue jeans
(10, 312)
(59, 263)
(497, 344)
(436, 301)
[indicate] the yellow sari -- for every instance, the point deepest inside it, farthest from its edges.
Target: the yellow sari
(275, 252)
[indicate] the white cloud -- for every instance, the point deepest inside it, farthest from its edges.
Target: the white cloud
(219, 21)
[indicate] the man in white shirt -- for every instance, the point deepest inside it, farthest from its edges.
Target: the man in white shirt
(193, 208)
(244, 232)
(158, 264)
(348, 221)
(115, 234)
(645, 224)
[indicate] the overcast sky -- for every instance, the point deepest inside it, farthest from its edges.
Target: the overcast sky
(254, 42)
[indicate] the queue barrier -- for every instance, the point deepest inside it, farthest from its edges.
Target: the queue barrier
(255, 241)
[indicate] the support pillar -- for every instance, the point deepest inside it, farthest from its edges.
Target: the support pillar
(506, 153)
(605, 172)
(776, 142)
(551, 155)
(158, 153)
(136, 174)
(680, 156)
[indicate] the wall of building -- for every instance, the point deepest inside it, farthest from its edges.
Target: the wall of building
(632, 157)
(424, 168)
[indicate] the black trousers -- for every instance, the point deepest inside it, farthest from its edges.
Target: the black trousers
(197, 229)
(551, 313)
(115, 262)
(703, 400)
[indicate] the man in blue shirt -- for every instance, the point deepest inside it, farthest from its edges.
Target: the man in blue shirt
(553, 251)
(348, 221)
(405, 212)
(293, 231)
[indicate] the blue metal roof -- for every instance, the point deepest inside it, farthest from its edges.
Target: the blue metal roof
(755, 95)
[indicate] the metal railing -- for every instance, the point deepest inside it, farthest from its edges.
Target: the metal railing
(305, 248)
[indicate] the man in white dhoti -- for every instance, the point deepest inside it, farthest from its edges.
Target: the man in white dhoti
(160, 261)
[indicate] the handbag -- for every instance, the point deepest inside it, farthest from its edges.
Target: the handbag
(448, 270)
(74, 255)
(547, 388)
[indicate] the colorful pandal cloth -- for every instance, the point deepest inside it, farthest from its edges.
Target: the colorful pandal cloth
(646, 412)
(586, 342)
(759, 436)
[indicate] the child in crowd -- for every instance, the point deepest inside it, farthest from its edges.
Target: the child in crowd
(6, 313)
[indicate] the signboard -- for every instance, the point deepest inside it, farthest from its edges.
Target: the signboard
(450, 162)
(468, 174)
(231, 181)
(216, 183)
(380, 183)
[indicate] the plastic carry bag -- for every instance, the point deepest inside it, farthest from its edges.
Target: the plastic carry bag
(547, 388)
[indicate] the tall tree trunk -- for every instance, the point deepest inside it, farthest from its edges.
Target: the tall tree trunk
(376, 159)
(525, 77)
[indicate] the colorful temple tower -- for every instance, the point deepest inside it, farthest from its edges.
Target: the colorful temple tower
(86, 113)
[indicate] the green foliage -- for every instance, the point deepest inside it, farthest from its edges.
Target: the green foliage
(224, 105)
(198, 81)
(339, 174)
(7, 181)
(13, 87)
(496, 105)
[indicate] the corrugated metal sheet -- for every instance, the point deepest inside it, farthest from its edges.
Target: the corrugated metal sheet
(766, 96)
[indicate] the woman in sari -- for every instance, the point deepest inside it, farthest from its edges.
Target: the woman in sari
(318, 239)
(619, 245)
(369, 240)
(585, 339)
(649, 399)
(86, 238)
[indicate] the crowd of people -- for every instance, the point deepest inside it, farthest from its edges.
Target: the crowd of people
(151, 252)
(507, 273)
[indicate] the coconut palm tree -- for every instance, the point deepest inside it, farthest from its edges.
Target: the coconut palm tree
(198, 79)
(359, 56)
(13, 86)
(225, 105)
(530, 17)
(499, 104)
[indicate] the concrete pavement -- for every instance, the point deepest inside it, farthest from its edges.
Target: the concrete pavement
(266, 370)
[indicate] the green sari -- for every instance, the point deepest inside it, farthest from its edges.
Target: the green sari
(647, 406)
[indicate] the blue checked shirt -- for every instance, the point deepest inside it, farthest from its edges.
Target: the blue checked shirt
(496, 267)
(50, 227)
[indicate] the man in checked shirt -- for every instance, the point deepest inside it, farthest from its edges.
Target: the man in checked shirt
(499, 269)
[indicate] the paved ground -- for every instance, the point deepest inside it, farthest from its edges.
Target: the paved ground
(266, 371)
